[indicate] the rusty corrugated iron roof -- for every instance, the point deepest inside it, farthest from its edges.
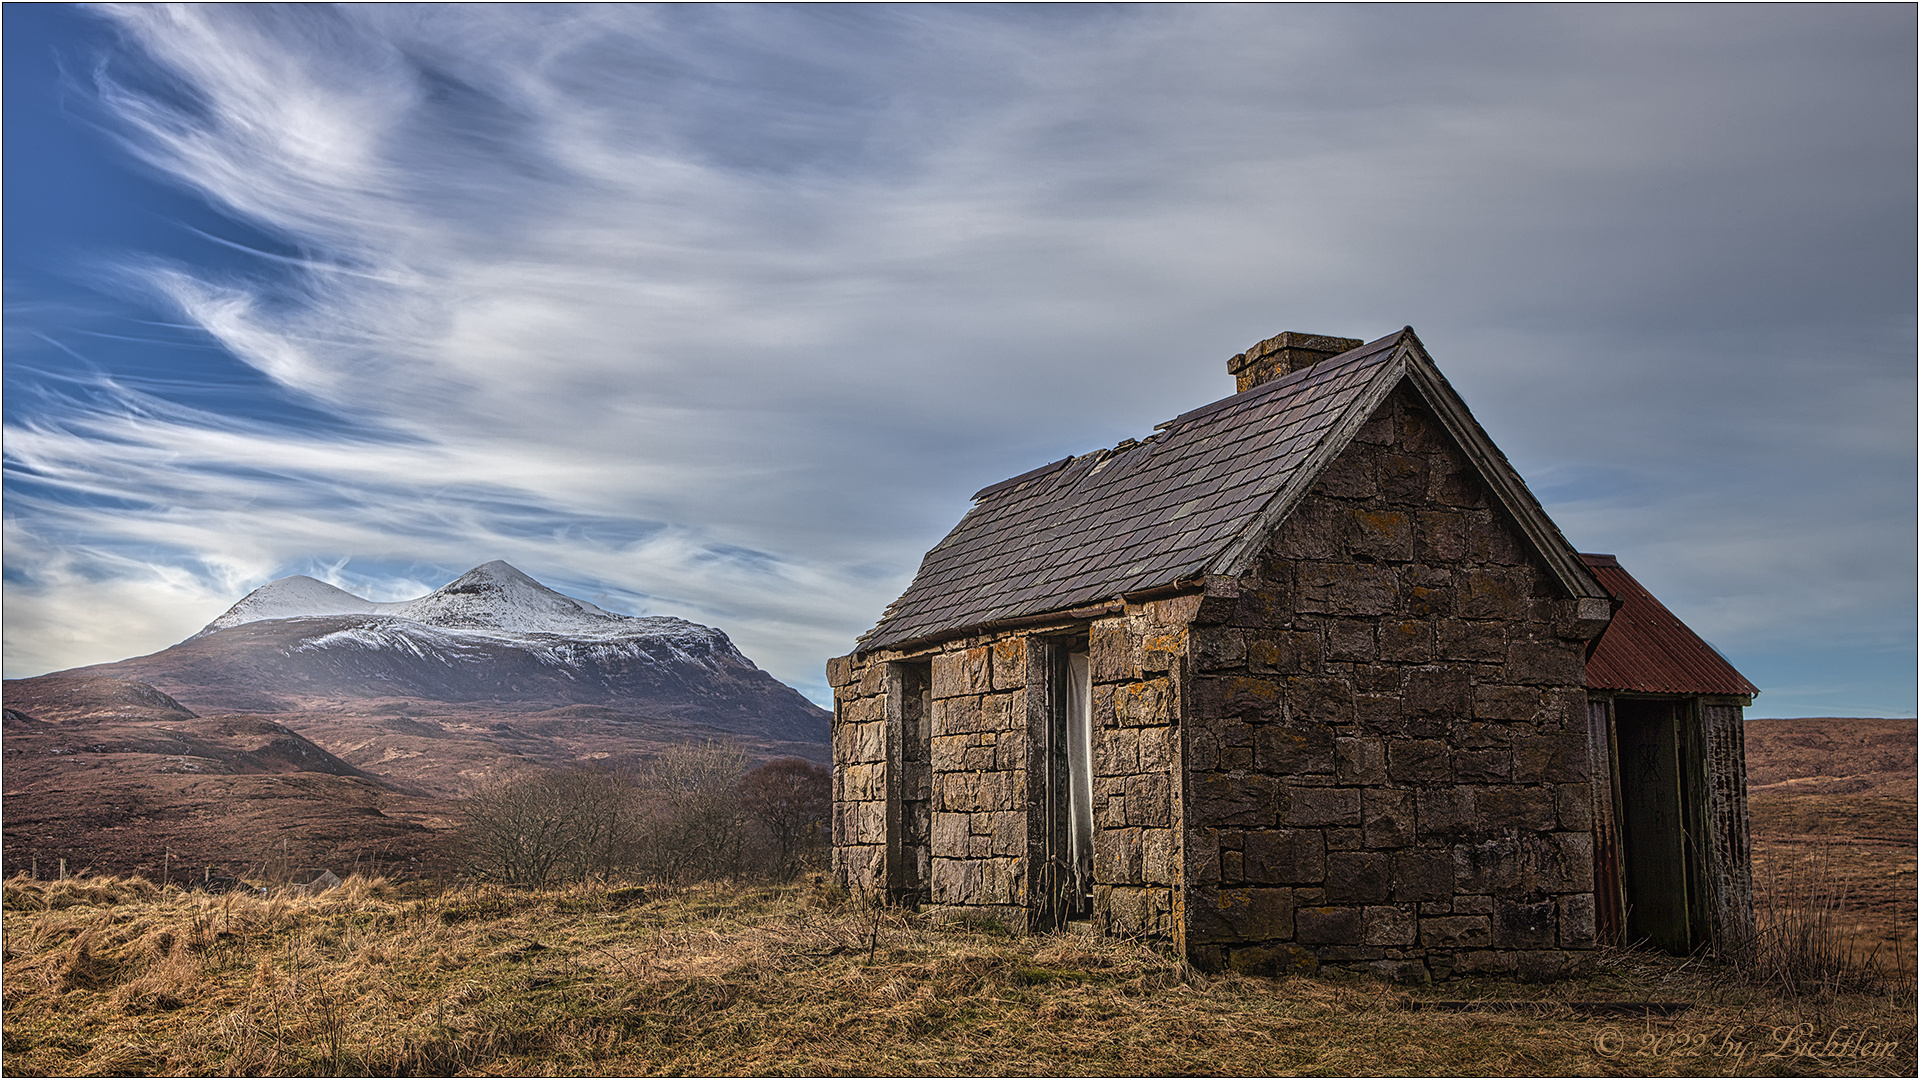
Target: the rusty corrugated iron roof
(1648, 649)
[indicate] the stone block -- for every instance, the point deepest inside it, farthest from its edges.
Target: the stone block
(1102, 716)
(1512, 703)
(1460, 487)
(1406, 641)
(1484, 962)
(1456, 931)
(972, 792)
(1550, 759)
(1328, 926)
(1482, 766)
(1403, 478)
(950, 833)
(1162, 648)
(1269, 605)
(1009, 662)
(1509, 807)
(1379, 428)
(1577, 929)
(1202, 856)
(1005, 830)
(1220, 697)
(1525, 925)
(1571, 863)
(967, 672)
(1438, 691)
(1444, 811)
(1499, 593)
(1573, 805)
(1203, 751)
(1423, 875)
(1293, 748)
(1471, 640)
(1381, 534)
(1360, 761)
(1418, 761)
(1379, 713)
(957, 716)
(1349, 476)
(1276, 960)
(1310, 807)
(1364, 877)
(1316, 529)
(1116, 751)
(841, 671)
(1117, 857)
(1387, 925)
(1546, 965)
(1387, 816)
(1440, 536)
(1002, 712)
(1150, 800)
(873, 680)
(864, 781)
(1321, 699)
(1219, 648)
(1546, 661)
(1159, 857)
(1158, 748)
(1286, 652)
(1495, 865)
(1138, 704)
(1350, 639)
(1222, 800)
(1285, 857)
(1345, 839)
(1237, 915)
(1110, 651)
(1345, 588)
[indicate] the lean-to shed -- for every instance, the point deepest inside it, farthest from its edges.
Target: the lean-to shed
(1299, 679)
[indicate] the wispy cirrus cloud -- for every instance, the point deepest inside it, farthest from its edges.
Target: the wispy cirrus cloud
(722, 312)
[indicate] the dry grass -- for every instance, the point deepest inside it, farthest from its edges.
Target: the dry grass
(798, 980)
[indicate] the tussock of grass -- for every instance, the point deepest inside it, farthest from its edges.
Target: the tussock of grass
(780, 980)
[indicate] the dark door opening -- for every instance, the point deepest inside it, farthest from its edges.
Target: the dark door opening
(1661, 823)
(1067, 881)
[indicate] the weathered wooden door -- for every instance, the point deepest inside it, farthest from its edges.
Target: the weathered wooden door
(1659, 814)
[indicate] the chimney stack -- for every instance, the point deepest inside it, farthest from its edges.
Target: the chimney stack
(1289, 351)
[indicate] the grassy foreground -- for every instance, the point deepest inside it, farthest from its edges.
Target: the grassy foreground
(112, 976)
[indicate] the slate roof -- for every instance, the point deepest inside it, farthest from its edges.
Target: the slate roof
(1178, 505)
(1647, 648)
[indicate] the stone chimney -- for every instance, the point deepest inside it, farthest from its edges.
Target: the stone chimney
(1285, 352)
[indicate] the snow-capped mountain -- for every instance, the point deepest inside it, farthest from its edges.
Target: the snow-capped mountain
(492, 635)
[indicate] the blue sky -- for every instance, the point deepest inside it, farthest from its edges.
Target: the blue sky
(724, 312)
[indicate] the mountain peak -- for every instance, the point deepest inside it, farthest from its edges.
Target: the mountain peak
(291, 598)
(494, 596)
(498, 596)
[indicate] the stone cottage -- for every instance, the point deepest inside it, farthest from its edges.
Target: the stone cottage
(1299, 679)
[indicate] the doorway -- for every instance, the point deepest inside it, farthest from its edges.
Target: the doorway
(1661, 823)
(1068, 866)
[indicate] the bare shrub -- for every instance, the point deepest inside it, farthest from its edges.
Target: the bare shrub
(691, 826)
(1802, 945)
(792, 802)
(545, 826)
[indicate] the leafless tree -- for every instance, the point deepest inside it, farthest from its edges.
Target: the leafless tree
(543, 826)
(792, 801)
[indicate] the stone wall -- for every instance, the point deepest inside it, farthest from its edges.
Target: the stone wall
(1138, 660)
(1386, 736)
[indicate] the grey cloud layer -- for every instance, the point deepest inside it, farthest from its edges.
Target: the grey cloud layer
(784, 285)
